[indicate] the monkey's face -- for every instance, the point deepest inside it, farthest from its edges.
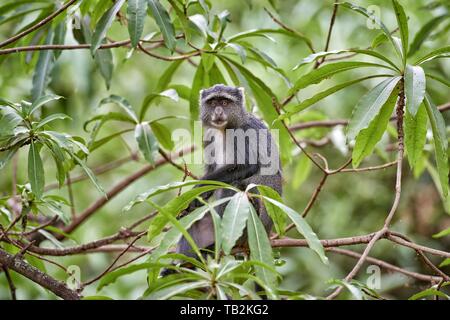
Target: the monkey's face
(218, 110)
(222, 107)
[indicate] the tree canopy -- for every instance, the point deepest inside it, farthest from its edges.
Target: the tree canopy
(94, 96)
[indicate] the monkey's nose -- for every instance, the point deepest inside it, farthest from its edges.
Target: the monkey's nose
(219, 111)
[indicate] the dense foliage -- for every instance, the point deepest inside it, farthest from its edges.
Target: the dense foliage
(92, 94)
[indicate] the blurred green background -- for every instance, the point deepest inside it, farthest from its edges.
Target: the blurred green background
(350, 204)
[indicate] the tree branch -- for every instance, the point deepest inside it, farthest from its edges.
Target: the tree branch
(12, 287)
(115, 191)
(398, 183)
(37, 25)
(386, 265)
(17, 264)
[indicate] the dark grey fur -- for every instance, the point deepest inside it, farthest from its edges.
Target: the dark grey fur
(239, 175)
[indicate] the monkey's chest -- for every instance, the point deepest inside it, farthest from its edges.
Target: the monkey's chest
(215, 152)
(227, 148)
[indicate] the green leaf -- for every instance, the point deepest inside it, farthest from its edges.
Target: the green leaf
(315, 56)
(302, 171)
(98, 143)
(292, 109)
(427, 293)
(354, 290)
(110, 116)
(35, 170)
(378, 40)
(55, 207)
(402, 23)
(169, 187)
(415, 135)
(369, 137)
(173, 207)
(197, 85)
(5, 156)
(445, 82)
(415, 85)
(89, 173)
(443, 233)
(201, 23)
(162, 19)
(302, 227)
(103, 58)
(445, 263)
(367, 14)
(443, 52)
(105, 64)
(146, 141)
(369, 106)
(169, 93)
(123, 104)
(166, 77)
(104, 24)
(163, 135)
(233, 221)
(50, 118)
(276, 214)
(42, 101)
(328, 70)
(264, 32)
(8, 122)
(176, 224)
(59, 158)
(240, 50)
(424, 32)
(44, 66)
(172, 291)
(60, 35)
(183, 91)
(440, 142)
(136, 13)
(260, 249)
(173, 236)
(217, 222)
(111, 277)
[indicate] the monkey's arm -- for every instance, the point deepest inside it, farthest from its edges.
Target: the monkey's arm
(228, 174)
(232, 172)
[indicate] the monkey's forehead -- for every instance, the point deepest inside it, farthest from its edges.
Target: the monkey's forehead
(221, 91)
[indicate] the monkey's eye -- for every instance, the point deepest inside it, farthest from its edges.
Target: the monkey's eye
(213, 103)
(224, 102)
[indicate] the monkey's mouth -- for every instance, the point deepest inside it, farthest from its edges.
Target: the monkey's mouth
(219, 123)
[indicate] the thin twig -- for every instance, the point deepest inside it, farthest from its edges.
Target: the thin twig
(140, 235)
(171, 58)
(119, 187)
(71, 198)
(12, 287)
(385, 265)
(287, 28)
(398, 183)
(20, 266)
(101, 169)
(37, 25)
(330, 31)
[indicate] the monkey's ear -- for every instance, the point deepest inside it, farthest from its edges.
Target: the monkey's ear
(242, 92)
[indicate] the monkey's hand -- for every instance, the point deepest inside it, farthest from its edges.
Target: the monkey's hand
(197, 203)
(232, 172)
